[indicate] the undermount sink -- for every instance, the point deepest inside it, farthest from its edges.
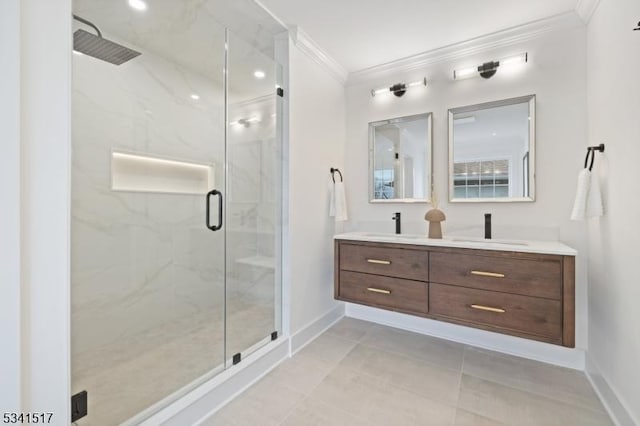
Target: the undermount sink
(401, 237)
(486, 241)
(393, 236)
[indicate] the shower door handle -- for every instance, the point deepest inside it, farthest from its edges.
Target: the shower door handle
(219, 194)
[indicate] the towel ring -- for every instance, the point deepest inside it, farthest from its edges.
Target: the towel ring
(591, 150)
(586, 159)
(333, 176)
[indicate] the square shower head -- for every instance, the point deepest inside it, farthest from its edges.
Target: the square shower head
(101, 48)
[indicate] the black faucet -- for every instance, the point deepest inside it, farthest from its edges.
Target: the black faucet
(487, 226)
(396, 217)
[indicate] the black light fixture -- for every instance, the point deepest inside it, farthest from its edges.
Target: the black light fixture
(399, 89)
(489, 69)
(637, 29)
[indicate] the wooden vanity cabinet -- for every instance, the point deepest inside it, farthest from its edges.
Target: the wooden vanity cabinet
(522, 294)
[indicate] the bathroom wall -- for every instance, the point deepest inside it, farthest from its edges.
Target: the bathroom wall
(316, 143)
(10, 300)
(556, 75)
(614, 104)
(45, 152)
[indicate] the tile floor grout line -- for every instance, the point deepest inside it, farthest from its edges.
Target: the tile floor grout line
(403, 388)
(292, 410)
(464, 355)
(538, 394)
(524, 389)
(413, 358)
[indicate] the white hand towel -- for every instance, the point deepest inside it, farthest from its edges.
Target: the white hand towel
(594, 199)
(338, 202)
(341, 203)
(588, 202)
(582, 192)
(332, 198)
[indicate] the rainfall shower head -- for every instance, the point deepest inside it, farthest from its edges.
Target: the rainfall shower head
(98, 47)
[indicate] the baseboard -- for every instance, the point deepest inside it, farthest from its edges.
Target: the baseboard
(544, 352)
(618, 412)
(205, 400)
(316, 327)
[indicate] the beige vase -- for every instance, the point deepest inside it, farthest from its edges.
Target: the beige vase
(435, 217)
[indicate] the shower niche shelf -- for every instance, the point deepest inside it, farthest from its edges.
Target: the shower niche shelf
(266, 262)
(132, 172)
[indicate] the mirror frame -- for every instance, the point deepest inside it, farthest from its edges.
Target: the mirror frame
(531, 100)
(372, 151)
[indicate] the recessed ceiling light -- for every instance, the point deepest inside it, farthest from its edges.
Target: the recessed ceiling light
(259, 74)
(195, 96)
(138, 4)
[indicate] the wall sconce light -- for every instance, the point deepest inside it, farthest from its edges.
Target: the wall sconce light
(399, 89)
(488, 69)
(246, 122)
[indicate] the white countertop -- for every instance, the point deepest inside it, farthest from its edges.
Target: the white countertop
(532, 246)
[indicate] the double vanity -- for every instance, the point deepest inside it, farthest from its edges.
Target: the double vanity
(520, 288)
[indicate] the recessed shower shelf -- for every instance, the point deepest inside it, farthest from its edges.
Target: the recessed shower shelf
(260, 261)
(144, 173)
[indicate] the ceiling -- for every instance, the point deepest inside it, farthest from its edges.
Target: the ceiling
(363, 33)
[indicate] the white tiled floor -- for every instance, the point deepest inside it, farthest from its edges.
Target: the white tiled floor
(358, 373)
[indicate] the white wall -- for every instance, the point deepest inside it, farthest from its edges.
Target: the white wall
(614, 104)
(45, 186)
(10, 365)
(556, 74)
(316, 143)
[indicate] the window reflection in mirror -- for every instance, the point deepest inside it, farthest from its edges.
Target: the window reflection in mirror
(400, 159)
(491, 151)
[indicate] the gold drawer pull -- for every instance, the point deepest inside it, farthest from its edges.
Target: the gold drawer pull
(487, 274)
(488, 308)
(378, 290)
(379, 262)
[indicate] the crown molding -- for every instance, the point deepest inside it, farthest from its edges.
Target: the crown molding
(513, 35)
(310, 48)
(586, 8)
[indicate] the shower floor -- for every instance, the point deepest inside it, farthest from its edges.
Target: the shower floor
(127, 377)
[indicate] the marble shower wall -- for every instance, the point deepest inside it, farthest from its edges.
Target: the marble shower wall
(141, 260)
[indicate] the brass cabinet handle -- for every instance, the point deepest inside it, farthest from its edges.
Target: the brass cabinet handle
(488, 308)
(379, 262)
(378, 290)
(487, 274)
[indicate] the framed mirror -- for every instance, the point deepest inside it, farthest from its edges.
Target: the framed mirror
(400, 160)
(492, 151)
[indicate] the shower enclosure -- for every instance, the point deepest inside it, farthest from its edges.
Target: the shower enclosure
(176, 199)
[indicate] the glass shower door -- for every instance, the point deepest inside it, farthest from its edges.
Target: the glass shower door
(254, 199)
(148, 275)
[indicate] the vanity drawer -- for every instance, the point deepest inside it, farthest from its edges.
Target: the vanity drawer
(529, 315)
(541, 277)
(391, 293)
(392, 262)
